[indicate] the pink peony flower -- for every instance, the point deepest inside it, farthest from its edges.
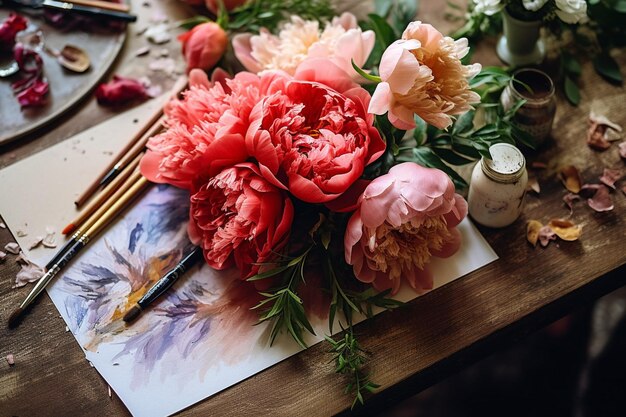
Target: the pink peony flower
(405, 217)
(340, 41)
(422, 74)
(204, 45)
(312, 134)
(239, 218)
(205, 130)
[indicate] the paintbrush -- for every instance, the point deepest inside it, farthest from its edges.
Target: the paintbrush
(86, 220)
(98, 225)
(153, 120)
(163, 284)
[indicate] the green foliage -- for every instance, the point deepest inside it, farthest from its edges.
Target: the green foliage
(606, 66)
(350, 359)
(257, 14)
(281, 305)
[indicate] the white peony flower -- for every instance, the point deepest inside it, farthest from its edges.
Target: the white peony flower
(533, 5)
(488, 7)
(572, 11)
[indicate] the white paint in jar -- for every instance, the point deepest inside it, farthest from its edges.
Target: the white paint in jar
(498, 186)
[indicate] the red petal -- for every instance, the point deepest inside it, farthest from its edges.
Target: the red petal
(120, 91)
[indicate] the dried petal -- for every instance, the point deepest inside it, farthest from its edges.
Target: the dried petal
(21, 259)
(142, 51)
(609, 177)
(571, 179)
(120, 91)
(21, 233)
(158, 34)
(2, 225)
(597, 135)
(532, 231)
(546, 234)
(533, 185)
(539, 165)
(565, 229)
(28, 273)
(2, 256)
(622, 149)
(36, 242)
(569, 199)
(601, 199)
(12, 247)
(10, 359)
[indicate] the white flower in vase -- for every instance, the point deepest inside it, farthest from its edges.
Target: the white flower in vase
(488, 7)
(572, 11)
(533, 5)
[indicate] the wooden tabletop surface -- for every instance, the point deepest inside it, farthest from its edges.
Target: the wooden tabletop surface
(411, 348)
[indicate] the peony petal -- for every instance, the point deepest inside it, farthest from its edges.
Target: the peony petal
(569, 199)
(546, 234)
(609, 177)
(381, 99)
(198, 78)
(565, 229)
(323, 71)
(532, 231)
(451, 246)
(243, 51)
(398, 67)
(571, 179)
(601, 199)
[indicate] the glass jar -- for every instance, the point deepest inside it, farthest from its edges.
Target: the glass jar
(498, 186)
(537, 114)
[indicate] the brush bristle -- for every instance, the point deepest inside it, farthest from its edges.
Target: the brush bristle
(15, 318)
(132, 314)
(68, 229)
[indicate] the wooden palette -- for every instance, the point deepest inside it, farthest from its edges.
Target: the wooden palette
(66, 88)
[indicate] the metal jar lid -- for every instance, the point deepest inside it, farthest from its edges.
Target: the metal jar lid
(507, 164)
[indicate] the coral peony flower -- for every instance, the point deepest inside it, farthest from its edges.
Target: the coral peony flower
(205, 130)
(340, 41)
(405, 217)
(213, 5)
(422, 74)
(239, 218)
(204, 45)
(572, 11)
(312, 134)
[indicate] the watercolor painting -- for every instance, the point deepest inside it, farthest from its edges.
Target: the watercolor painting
(200, 337)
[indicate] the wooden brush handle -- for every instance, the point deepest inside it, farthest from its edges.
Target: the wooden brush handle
(102, 4)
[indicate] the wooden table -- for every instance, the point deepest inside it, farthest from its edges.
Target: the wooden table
(411, 348)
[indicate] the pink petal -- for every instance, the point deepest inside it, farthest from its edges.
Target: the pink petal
(610, 176)
(601, 200)
(323, 71)
(243, 52)
(381, 99)
(198, 78)
(399, 67)
(451, 246)
(622, 149)
(569, 199)
(546, 235)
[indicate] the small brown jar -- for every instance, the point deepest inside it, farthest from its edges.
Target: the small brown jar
(537, 114)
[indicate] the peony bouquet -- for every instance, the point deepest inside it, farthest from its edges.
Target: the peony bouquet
(311, 170)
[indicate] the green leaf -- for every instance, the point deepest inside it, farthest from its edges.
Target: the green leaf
(571, 65)
(365, 74)
(451, 157)
(464, 123)
(382, 7)
(385, 34)
(269, 273)
(606, 66)
(571, 91)
(192, 22)
(419, 134)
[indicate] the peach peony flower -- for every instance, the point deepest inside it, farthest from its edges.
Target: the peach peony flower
(312, 134)
(422, 74)
(405, 217)
(239, 218)
(205, 130)
(340, 41)
(204, 45)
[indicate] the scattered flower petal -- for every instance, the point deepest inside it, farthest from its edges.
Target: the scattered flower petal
(120, 91)
(622, 149)
(597, 135)
(533, 185)
(571, 179)
(601, 199)
(2, 225)
(539, 165)
(2, 256)
(142, 51)
(532, 231)
(546, 234)
(29, 273)
(9, 28)
(10, 359)
(12, 247)
(569, 199)
(158, 34)
(36, 242)
(565, 229)
(609, 177)
(21, 233)
(166, 65)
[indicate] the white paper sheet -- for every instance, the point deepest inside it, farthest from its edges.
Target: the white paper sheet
(188, 365)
